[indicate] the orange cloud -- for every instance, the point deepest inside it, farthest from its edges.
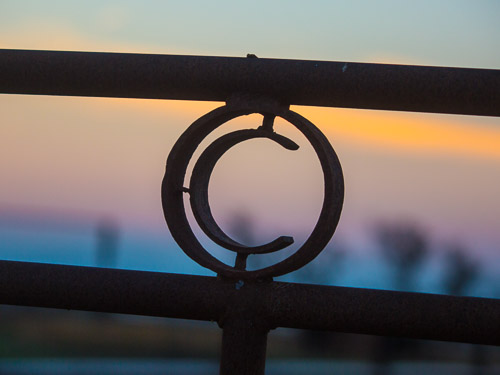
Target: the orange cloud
(405, 132)
(409, 132)
(390, 131)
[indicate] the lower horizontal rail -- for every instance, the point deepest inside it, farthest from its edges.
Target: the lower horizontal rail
(354, 310)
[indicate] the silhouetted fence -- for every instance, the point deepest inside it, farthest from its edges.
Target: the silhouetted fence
(247, 304)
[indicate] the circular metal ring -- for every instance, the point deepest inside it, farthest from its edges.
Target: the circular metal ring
(198, 190)
(173, 189)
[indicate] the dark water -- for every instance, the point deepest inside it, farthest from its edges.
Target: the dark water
(205, 367)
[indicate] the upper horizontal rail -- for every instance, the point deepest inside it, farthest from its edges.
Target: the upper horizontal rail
(318, 83)
(367, 311)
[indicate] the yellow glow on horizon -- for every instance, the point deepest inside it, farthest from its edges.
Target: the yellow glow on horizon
(396, 132)
(407, 132)
(390, 131)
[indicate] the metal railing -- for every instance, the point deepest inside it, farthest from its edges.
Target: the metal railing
(247, 304)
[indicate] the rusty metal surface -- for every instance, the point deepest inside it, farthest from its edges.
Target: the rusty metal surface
(318, 83)
(247, 304)
(275, 304)
(173, 188)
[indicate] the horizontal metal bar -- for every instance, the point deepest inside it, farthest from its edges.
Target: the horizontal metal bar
(109, 290)
(388, 313)
(317, 83)
(278, 304)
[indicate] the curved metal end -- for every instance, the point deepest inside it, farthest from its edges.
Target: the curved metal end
(270, 247)
(283, 141)
(275, 245)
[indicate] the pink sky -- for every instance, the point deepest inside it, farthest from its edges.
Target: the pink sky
(106, 157)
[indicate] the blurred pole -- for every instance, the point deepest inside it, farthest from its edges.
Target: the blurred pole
(107, 235)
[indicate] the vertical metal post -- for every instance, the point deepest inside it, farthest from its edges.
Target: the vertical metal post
(244, 343)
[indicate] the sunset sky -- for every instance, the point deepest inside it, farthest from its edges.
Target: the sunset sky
(92, 158)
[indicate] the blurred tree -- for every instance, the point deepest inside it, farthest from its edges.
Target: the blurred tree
(404, 246)
(461, 270)
(325, 269)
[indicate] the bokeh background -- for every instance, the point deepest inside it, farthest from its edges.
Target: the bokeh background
(80, 177)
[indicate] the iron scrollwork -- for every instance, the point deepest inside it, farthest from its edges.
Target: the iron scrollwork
(173, 188)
